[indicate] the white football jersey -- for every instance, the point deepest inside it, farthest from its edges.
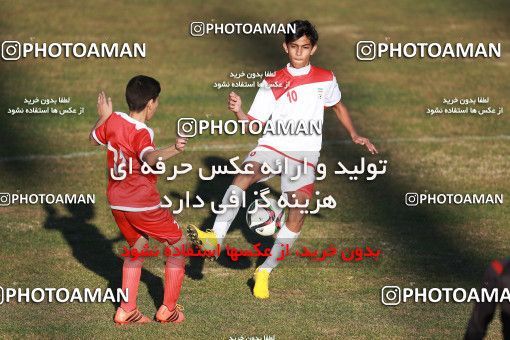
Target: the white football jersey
(294, 98)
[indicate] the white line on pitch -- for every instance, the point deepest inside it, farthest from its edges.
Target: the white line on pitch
(252, 145)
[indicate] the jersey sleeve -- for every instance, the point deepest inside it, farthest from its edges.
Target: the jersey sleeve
(333, 94)
(263, 105)
(143, 142)
(99, 133)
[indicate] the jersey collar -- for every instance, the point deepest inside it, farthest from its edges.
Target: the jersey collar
(298, 71)
(131, 119)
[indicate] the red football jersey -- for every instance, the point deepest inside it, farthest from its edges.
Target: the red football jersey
(126, 138)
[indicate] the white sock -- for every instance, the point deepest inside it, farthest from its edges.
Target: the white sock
(284, 237)
(222, 222)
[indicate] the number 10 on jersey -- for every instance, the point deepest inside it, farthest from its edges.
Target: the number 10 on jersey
(292, 95)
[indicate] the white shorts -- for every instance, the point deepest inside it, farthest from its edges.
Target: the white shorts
(296, 175)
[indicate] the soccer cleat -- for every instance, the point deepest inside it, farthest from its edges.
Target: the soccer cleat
(261, 288)
(204, 240)
(135, 316)
(165, 315)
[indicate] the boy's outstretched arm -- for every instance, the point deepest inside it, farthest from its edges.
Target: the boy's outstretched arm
(343, 115)
(104, 110)
(234, 105)
(151, 157)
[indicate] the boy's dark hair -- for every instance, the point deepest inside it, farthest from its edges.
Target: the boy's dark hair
(140, 90)
(302, 27)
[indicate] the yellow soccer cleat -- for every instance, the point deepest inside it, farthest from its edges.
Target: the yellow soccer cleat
(261, 288)
(206, 241)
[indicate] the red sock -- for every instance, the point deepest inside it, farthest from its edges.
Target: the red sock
(174, 274)
(131, 272)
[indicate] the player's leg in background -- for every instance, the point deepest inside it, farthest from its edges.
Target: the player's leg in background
(297, 184)
(286, 237)
(290, 230)
(505, 318)
(483, 311)
(240, 184)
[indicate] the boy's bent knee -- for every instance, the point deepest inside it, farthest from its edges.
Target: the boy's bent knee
(243, 181)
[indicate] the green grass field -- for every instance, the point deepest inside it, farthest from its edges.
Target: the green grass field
(424, 246)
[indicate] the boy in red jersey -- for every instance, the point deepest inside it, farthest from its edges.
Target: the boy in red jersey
(134, 199)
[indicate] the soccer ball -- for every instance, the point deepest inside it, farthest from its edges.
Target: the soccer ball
(265, 221)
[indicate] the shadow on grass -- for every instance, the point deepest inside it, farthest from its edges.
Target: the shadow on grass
(16, 142)
(94, 251)
(418, 232)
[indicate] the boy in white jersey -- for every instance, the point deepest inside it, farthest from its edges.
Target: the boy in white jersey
(297, 93)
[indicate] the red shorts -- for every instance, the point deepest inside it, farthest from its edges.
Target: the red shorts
(158, 224)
